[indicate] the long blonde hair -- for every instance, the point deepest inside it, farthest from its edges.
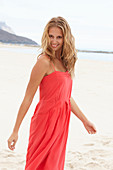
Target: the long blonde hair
(69, 53)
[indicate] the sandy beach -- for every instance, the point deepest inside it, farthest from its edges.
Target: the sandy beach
(92, 91)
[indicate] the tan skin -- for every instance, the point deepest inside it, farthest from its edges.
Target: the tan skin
(42, 68)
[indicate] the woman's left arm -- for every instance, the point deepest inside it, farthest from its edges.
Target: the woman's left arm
(87, 124)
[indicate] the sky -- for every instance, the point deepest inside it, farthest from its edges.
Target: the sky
(91, 22)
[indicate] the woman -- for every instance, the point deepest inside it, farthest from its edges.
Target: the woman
(53, 73)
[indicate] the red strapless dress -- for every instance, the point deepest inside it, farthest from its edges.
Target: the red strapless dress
(50, 123)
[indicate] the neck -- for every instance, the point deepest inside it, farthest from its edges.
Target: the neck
(58, 54)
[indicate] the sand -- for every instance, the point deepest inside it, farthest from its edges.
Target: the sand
(93, 92)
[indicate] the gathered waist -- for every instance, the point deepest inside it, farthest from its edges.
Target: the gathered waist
(44, 106)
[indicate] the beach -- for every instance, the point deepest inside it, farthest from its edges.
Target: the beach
(93, 92)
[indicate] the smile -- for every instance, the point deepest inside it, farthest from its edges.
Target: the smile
(54, 46)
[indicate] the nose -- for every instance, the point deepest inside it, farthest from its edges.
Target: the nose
(54, 40)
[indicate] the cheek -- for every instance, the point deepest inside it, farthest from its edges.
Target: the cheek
(50, 41)
(62, 42)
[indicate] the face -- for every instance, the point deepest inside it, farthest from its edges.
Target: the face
(56, 38)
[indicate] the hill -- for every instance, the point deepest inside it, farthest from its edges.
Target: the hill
(6, 37)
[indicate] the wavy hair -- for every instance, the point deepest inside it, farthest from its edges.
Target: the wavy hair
(69, 53)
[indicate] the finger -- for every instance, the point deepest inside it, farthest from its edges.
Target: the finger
(94, 129)
(89, 132)
(11, 145)
(93, 132)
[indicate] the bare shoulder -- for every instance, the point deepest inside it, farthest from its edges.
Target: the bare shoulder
(44, 59)
(38, 72)
(42, 62)
(41, 66)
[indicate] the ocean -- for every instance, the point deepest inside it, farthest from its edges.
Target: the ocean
(81, 55)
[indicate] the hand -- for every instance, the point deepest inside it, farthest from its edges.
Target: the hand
(12, 140)
(90, 127)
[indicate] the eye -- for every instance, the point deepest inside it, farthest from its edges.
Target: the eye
(50, 36)
(59, 36)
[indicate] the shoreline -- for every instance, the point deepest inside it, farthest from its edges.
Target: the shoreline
(93, 51)
(38, 46)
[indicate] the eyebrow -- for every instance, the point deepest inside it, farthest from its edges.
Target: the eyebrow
(57, 36)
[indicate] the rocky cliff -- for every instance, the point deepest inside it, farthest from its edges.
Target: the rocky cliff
(6, 37)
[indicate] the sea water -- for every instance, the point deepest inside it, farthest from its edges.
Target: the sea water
(81, 55)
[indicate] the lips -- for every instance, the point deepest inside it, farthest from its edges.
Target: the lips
(54, 46)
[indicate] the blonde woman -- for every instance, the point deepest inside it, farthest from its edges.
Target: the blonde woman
(53, 73)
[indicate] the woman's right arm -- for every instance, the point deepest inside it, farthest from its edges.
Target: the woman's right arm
(37, 73)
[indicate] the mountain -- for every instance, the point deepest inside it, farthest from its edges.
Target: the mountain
(5, 27)
(8, 36)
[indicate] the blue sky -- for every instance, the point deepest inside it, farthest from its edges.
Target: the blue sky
(91, 21)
